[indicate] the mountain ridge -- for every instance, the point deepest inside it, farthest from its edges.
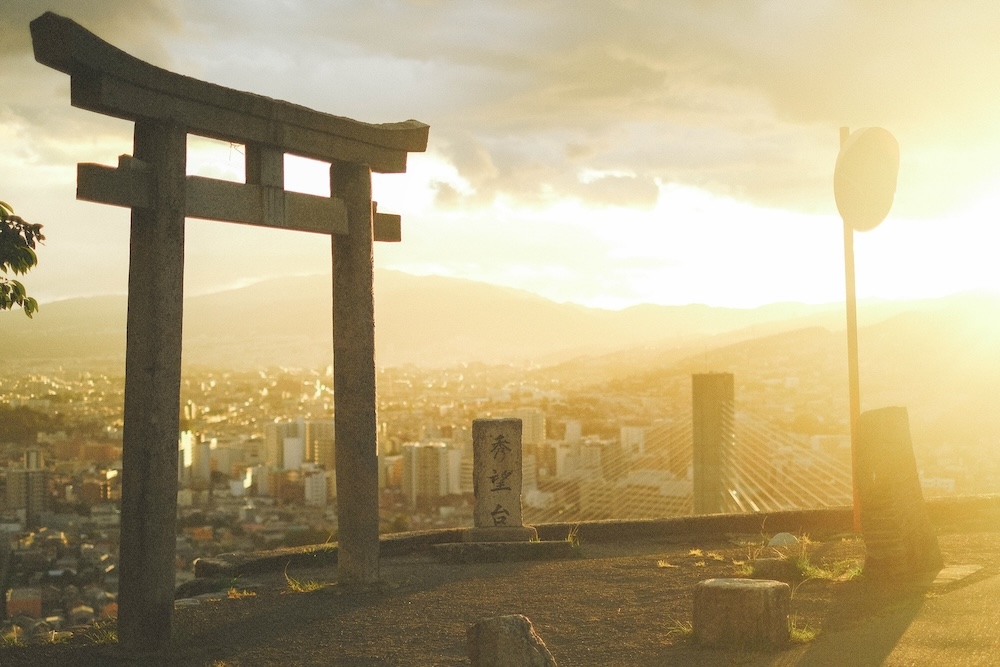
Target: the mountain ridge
(422, 320)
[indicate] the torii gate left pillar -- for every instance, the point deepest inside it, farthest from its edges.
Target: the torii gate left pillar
(152, 183)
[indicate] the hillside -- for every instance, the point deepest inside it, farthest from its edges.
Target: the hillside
(428, 321)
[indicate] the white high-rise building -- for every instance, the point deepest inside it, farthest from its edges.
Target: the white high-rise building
(574, 431)
(532, 425)
(425, 471)
(633, 439)
(293, 453)
(315, 482)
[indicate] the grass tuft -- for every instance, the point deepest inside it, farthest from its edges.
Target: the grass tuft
(105, 632)
(573, 537)
(680, 629)
(800, 634)
(665, 564)
(239, 594)
(300, 586)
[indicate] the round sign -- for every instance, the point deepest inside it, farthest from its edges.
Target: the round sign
(864, 180)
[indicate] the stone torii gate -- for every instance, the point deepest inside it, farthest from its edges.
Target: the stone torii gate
(165, 107)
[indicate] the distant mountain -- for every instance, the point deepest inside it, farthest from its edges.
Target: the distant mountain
(428, 321)
(940, 359)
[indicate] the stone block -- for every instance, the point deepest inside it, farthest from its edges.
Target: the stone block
(507, 641)
(741, 612)
(780, 569)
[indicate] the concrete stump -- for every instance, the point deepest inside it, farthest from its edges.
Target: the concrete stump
(507, 641)
(900, 543)
(741, 612)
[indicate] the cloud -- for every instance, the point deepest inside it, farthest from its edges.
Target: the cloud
(742, 99)
(135, 23)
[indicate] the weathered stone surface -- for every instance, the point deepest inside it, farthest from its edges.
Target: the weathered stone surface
(355, 407)
(741, 612)
(507, 641)
(500, 534)
(899, 541)
(493, 552)
(783, 540)
(496, 472)
(781, 569)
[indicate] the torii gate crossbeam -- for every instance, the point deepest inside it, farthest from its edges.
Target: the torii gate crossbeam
(165, 107)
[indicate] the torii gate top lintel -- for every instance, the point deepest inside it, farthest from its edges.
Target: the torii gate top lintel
(108, 80)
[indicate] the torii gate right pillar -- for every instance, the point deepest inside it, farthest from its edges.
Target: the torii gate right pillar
(355, 418)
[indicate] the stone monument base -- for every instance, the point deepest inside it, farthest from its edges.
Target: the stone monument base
(501, 534)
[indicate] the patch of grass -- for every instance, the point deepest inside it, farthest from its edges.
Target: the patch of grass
(699, 563)
(680, 630)
(716, 556)
(573, 537)
(665, 564)
(300, 586)
(841, 570)
(696, 553)
(12, 640)
(239, 594)
(800, 634)
(104, 632)
(743, 568)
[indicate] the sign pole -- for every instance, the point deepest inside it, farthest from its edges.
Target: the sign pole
(854, 384)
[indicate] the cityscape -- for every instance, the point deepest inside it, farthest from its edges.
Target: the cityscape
(257, 459)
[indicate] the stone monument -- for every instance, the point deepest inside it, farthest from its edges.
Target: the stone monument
(496, 470)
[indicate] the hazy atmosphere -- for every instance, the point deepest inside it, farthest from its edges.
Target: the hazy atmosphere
(613, 387)
(602, 153)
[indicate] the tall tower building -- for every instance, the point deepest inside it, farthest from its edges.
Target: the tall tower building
(27, 487)
(320, 443)
(425, 472)
(532, 425)
(275, 436)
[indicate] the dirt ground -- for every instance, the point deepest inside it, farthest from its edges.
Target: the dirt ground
(616, 604)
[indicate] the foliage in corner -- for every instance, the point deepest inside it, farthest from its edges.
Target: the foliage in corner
(18, 239)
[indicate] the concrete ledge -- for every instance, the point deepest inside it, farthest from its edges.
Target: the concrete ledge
(944, 513)
(500, 534)
(815, 522)
(493, 552)
(321, 555)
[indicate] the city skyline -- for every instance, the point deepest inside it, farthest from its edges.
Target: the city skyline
(629, 153)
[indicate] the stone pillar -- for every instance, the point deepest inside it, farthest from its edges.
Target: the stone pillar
(899, 540)
(355, 418)
(711, 415)
(152, 395)
(496, 480)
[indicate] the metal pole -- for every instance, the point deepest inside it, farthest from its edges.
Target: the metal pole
(852, 352)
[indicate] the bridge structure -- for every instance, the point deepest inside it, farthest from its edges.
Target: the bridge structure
(758, 467)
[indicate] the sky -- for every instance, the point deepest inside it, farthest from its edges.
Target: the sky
(603, 153)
